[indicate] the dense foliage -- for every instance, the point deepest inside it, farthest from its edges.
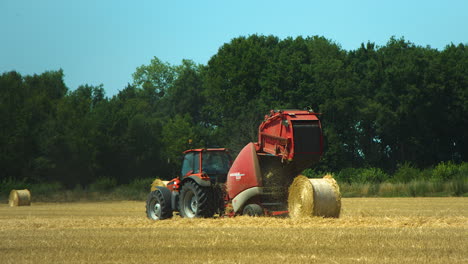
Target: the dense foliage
(382, 107)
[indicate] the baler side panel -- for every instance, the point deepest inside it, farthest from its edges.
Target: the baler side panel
(244, 172)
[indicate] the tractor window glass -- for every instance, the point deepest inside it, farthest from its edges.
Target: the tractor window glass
(196, 162)
(187, 164)
(216, 162)
(191, 163)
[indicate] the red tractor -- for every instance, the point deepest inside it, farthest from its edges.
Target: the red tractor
(256, 183)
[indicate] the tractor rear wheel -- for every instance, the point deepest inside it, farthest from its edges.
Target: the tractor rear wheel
(158, 204)
(253, 210)
(195, 201)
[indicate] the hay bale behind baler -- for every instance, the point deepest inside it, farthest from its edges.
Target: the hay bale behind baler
(158, 182)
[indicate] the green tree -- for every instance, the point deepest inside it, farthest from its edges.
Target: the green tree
(133, 134)
(77, 143)
(154, 79)
(185, 96)
(28, 122)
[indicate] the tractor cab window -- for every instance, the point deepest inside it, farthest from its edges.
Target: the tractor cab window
(191, 163)
(216, 162)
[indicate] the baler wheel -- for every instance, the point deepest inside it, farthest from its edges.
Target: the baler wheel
(158, 204)
(195, 201)
(253, 210)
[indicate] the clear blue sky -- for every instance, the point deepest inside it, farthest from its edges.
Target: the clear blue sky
(103, 41)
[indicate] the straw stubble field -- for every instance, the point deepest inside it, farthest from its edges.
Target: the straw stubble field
(370, 230)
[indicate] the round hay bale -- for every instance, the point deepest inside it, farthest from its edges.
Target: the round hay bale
(314, 197)
(301, 197)
(20, 197)
(158, 182)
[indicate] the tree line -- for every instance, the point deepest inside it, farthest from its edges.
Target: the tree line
(381, 106)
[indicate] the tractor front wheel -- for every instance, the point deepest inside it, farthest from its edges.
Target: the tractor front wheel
(158, 204)
(195, 201)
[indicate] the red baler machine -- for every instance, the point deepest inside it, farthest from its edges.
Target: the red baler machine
(289, 141)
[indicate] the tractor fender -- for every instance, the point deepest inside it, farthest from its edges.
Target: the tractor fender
(240, 199)
(197, 180)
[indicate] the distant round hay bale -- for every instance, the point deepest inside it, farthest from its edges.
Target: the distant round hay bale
(20, 197)
(314, 197)
(158, 182)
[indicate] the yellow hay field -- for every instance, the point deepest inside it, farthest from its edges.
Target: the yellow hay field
(369, 230)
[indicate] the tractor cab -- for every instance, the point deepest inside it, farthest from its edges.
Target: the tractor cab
(212, 163)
